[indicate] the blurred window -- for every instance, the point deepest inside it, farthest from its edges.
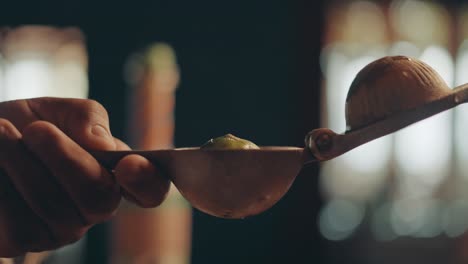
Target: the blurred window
(410, 183)
(43, 61)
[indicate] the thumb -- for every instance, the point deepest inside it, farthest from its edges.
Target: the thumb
(84, 121)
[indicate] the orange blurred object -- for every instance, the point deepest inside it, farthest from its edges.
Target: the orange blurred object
(163, 234)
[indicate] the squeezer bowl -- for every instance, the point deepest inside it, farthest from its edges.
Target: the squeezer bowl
(391, 85)
(386, 95)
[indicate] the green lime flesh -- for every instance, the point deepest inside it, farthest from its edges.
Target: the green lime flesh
(229, 141)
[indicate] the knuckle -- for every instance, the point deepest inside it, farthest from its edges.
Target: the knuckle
(93, 108)
(94, 105)
(7, 129)
(86, 112)
(38, 126)
(42, 132)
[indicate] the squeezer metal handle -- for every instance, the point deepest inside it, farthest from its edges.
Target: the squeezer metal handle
(324, 144)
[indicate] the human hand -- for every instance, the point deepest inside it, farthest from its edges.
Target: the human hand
(51, 189)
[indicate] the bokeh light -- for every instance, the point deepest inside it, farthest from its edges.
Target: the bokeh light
(416, 217)
(381, 225)
(403, 174)
(455, 218)
(340, 218)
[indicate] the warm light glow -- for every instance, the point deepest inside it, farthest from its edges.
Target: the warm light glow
(70, 80)
(364, 17)
(35, 77)
(421, 22)
(410, 17)
(44, 61)
(27, 78)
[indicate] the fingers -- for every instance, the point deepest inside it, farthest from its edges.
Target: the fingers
(22, 229)
(141, 183)
(42, 193)
(92, 189)
(84, 121)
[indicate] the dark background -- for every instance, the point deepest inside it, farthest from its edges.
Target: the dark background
(248, 67)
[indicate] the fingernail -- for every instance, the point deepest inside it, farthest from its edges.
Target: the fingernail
(100, 131)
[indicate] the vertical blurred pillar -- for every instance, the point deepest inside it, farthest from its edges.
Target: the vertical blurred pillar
(455, 219)
(163, 234)
(422, 30)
